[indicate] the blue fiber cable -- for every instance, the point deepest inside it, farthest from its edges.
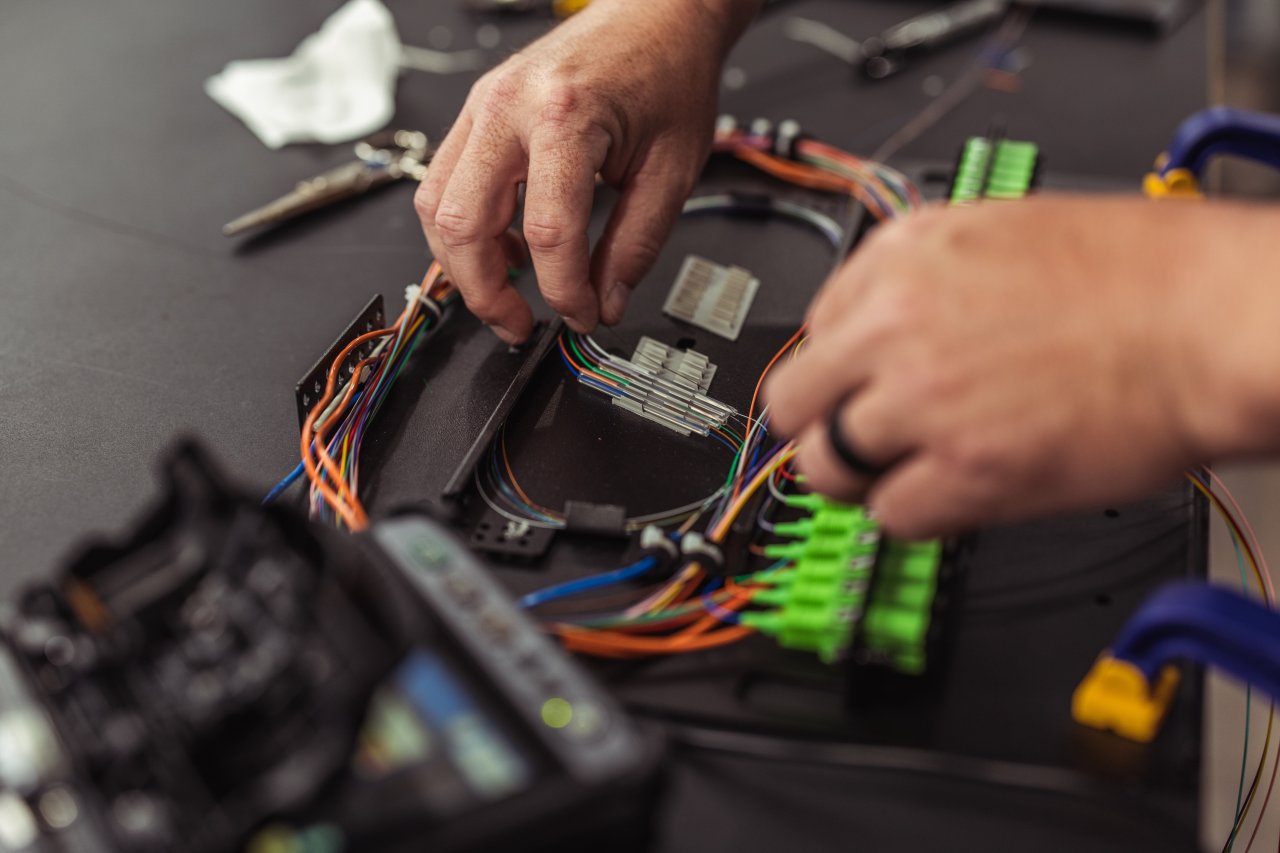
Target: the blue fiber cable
(289, 479)
(565, 590)
(278, 489)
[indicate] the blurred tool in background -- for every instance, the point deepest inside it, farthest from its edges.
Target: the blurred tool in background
(380, 160)
(884, 55)
(889, 52)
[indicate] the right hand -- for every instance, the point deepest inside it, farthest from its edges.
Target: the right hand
(1020, 359)
(624, 89)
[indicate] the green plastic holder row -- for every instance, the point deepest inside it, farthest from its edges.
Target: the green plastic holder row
(895, 627)
(845, 585)
(999, 170)
(817, 602)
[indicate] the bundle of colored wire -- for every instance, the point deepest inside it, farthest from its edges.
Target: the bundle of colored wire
(501, 491)
(677, 405)
(885, 192)
(1248, 554)
(670, 623)
(333, 432)
(691, 611)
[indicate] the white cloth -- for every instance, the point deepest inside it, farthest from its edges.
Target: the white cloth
(338, 85)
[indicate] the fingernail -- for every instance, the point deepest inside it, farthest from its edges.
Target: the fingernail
(506, 336)
(615, 301)
(580, 328)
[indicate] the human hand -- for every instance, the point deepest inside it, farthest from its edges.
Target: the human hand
(625, 90)
(1017, 359)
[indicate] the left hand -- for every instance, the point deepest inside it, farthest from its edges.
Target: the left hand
(1017, 359)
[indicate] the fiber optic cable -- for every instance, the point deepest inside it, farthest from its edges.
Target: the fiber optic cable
(565, 590)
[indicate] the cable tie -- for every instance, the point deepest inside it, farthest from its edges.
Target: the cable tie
(695, 545)
(416, 293)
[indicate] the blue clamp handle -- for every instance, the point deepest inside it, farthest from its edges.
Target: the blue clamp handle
(1223, 130)
(1209, 625)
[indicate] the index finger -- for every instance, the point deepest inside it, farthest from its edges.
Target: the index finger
(426, 199)
(557, 212)
(477, 206)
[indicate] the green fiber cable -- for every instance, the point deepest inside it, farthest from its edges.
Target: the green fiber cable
(573, 344)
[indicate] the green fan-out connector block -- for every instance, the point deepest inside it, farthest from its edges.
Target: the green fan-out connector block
(999, 170)
(812, 630)
(817, 603)
(899, 611)
(844, 583)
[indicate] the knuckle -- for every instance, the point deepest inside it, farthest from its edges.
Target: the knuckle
(500, 91)
(561, 105)
(644, 251)
(457, 227)
(547, 233)
(426, 201)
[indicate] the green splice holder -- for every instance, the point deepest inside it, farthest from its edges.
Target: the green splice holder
(1004, 169)
(845, 585)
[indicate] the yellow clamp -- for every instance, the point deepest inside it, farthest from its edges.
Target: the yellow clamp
(1115, 696)
(565, 8)
(1177, 183)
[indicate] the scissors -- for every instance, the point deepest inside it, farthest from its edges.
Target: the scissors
(381, 159)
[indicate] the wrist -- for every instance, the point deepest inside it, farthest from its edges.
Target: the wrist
(715, 25)
(1231, 348)
(732, 17)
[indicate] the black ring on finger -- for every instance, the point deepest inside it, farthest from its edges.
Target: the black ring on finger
(843, 447)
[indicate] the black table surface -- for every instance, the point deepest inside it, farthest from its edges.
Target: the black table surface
(127, 318)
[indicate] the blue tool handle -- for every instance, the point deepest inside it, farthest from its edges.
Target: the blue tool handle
(1224, 130)
(1209, 625)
